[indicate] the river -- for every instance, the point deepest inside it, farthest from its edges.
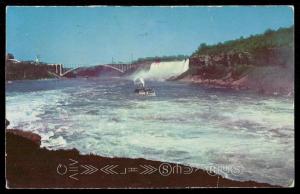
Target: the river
(183, 123)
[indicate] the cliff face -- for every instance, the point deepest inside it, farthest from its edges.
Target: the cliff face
(262, 62)
(224, 59)
(265, 70)
(263, 57)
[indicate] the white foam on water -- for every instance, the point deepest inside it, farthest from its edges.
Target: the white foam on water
(254, 134)
(54, 143)
(46, 136)
(24, 109)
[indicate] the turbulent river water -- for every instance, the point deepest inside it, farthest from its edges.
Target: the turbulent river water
(183, 123)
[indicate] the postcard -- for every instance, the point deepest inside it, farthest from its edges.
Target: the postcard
(149, 96)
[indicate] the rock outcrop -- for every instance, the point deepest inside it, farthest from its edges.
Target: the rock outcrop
(268, 71)
(35, 138)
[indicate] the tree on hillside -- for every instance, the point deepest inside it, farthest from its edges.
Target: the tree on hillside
(269, 31)
(283, 37)
(9, 56)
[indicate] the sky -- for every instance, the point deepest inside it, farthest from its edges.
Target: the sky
(98, 35)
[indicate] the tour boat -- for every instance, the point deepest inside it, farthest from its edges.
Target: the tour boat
(142, 90)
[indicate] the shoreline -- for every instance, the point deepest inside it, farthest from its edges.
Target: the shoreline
(237, 85)
(29, 166)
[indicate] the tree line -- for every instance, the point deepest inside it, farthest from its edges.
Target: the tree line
(283, 37)
(161, 58)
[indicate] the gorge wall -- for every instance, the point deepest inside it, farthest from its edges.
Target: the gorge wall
(268, 71)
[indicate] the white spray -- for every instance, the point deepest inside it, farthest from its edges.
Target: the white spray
(140, 80)
(163, 70)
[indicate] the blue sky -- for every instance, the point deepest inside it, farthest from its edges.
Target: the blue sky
(93, 35)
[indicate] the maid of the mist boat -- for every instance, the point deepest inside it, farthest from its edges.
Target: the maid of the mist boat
(141, 89)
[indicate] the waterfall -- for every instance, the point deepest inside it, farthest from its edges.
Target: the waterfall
(164, 70)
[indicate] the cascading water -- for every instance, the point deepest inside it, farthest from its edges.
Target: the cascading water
(163, 70)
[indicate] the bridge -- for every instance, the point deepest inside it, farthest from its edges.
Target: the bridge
(60, 71)
(120, 67)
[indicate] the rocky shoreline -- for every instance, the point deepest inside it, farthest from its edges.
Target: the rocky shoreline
(29, 166)
(246, 82)
(215, 83)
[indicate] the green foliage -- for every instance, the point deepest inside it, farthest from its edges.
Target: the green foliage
(283, 37)
(9, 56)
(27, 70)
(162, 58)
